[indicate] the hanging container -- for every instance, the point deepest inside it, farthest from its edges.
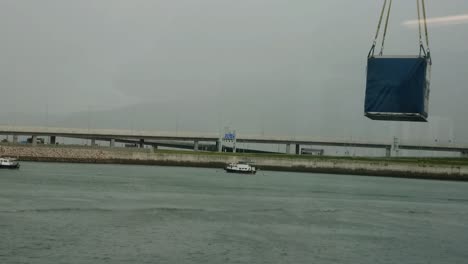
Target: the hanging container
(398, 87)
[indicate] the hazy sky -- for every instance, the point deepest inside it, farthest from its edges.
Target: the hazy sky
(263, 66)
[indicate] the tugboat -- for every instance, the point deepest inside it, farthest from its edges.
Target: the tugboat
(9, 163)
(240, 167)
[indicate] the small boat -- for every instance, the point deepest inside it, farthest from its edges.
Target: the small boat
(240, 167)
(9, 163)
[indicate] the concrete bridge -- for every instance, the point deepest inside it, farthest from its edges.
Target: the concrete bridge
(190, 146)
(155, 138)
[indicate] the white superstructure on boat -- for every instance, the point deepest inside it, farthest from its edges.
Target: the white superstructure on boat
(241, 167)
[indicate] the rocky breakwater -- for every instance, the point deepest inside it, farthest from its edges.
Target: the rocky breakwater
(427, 169)
(83, 154)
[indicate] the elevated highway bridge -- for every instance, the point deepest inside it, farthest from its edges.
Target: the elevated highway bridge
(171, 139)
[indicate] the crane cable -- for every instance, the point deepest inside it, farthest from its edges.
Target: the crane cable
(421, 45)
(378, 29)
(426, 31)
(426, 50)
(386, 27)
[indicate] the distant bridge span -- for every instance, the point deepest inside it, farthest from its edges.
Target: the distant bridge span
(147, 136)
(107, 134)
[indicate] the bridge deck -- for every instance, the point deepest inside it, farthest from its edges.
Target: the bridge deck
(108, 134)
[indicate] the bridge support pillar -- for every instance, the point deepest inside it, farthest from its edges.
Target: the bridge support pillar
(142, 143)
(93, 142)
(396, 147)
(388, 152)
(15, 139)
(219, 146)
(112, 143)
(195, 145)
(298, 149)
(34, 140)
(155, 147)
(288, 149)
(52, 140)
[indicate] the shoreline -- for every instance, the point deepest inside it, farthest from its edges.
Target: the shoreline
(433, 169)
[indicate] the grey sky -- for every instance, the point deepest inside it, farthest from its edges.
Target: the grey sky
(264, 66)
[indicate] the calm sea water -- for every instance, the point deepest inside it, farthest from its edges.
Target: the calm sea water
(74, 213)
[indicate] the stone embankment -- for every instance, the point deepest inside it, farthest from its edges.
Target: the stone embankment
(393, 168)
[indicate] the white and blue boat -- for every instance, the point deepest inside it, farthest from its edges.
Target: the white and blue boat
(240, 167)
(9, 163)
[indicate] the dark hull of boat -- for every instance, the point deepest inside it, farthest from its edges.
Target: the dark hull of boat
(11, 167)
(239, 172)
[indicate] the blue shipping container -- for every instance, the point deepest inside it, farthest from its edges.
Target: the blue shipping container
(397, 88)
